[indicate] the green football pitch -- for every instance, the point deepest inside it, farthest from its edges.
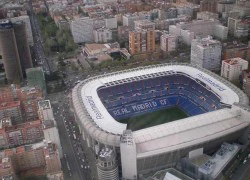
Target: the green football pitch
(154, 118)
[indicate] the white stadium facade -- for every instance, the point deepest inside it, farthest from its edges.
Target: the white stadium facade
(218, 112)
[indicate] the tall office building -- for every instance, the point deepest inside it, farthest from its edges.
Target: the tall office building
(9, 51)
(22, 45)
(15, 50)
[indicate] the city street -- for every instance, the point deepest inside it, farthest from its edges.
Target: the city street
(40, 57)
(75, 163)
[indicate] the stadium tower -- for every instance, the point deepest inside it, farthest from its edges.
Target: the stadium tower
(107, 167)
(9, 52)
(22, 45)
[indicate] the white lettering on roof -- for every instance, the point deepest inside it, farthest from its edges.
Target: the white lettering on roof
(211, 82)
(93, 107)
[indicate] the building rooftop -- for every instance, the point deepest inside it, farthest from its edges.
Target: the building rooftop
(234, 44)
(48, 124)
(7, 105)
(220, 159)
(6, 122)
(24, 125)
(107, 154)
(50, 149)
(44, 104)
(246, 73)
(234, 61)
(93, 47)
(200, 160)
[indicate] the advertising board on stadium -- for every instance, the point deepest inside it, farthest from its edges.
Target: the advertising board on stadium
(208, 80)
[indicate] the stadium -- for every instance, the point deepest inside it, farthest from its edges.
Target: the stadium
(196, 108)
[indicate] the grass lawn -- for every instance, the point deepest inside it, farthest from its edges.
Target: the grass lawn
(154, 118)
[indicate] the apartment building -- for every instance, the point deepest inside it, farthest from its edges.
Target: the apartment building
(11, 110)
(142, 41)
(206, 53)
(7, 170)
(51, 134)
(208, 5)
(231, 69)
(102, 35)
(45, 111)
(144, 25)
(29, 98)
(53, 163)
(8, 94)
(187, 31)
(82, 30)
(236, 49)
(25, 158)
(28, 157)
(26, 133)
(246, 82)
(168, 42)
(129, 19)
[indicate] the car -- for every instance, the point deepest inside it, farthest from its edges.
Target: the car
(85, 167)
(82, 160)
(245, 161)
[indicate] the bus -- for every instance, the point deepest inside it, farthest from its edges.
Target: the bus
(74, 136)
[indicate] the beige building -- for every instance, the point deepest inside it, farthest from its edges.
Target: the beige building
(7, 170)
(231, 69)
(168, 42)
(53, 163)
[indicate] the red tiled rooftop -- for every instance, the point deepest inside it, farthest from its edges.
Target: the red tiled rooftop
(6, 105)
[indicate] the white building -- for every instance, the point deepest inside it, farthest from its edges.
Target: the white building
(51, 135)
(111, 23)
(206, 53)
(231, 69)
(128, 155)
(102, 35)
(144, 24)
(82, 30)
(49, 124)
(129, 19)
(206, 15)
(45, 111)
(26, 20)
(107, 1)
(168, 42)
(188, 30)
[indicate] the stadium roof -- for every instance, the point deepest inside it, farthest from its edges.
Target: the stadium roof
(103, 127)
(187, 132)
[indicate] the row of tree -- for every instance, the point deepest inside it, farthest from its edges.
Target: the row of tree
(55, 40)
